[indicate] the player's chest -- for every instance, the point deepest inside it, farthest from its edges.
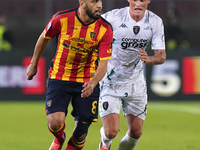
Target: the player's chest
(132, 30)
(81, 35)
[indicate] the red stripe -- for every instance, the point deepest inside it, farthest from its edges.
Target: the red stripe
(89, 59)
(87, 68)
(78, 56)
(83, 31)
(188, 76)
(75, 65)
(63, 59)
(71, 23)
(96, 30)
(62, 63)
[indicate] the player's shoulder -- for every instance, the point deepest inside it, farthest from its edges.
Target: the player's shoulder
(117, 12)
(65, 13)
(105, 23)
(116, 15)
(151, 16)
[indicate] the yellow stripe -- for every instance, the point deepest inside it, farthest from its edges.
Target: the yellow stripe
(56, 130)
(88, 38)
(101, 34)
(71, 55)
(85, 55)
(94, 56)
(60, 48)
(196, 64)
(105, 58)
(102, 31)
(46, 37)
(80, 73)
(95, 120)
(77, 145)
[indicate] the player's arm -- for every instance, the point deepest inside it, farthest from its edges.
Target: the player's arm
(99, 74)
(159, 57)
(158, 45)
(39, 49)
(104, 54)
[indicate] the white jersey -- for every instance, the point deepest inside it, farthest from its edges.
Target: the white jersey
(125, 66)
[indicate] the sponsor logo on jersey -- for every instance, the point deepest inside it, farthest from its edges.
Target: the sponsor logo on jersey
(78, 49)
(134, 43)
(73, 28)
(109, 51)
(136, 30)
(80, 40)
(123, 25)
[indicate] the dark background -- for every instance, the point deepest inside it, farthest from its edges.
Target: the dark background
(26, 19)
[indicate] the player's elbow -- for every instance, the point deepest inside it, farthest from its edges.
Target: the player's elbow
(163, 58)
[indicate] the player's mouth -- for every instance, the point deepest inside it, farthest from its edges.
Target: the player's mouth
(98, 12)
(138, 9)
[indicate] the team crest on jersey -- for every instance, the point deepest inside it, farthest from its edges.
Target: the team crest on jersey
(105, 105)
(136, 29)
(92, 35)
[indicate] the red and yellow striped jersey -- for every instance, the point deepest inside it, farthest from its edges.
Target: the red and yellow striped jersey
(79, 45)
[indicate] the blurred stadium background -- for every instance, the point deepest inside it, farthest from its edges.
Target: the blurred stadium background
(177, 79)
(173, 88)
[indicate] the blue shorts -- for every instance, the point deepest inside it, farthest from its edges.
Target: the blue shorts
(60, 93)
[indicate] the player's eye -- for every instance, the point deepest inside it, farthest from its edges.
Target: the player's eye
(94, 1)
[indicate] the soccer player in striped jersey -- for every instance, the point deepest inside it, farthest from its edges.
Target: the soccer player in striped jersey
(83, 38)
(124, 85)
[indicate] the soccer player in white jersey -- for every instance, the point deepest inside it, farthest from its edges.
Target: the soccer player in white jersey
(124, 85)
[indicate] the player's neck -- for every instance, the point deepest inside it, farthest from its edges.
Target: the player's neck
(135, 17)
(84, 17)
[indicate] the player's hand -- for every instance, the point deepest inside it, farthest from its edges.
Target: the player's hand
(31, 72)
(88, 88)
(143, 55)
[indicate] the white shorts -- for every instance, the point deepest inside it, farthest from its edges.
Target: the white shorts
(131, 98)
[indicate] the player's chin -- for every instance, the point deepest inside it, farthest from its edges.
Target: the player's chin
(97, 16)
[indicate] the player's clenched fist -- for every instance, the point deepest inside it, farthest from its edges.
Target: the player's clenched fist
(143, 55)
(31, 71)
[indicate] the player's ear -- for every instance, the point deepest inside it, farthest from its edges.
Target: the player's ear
(82, 3)
(149, 1)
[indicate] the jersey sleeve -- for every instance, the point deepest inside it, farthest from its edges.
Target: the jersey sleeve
(158, 39)
(53, 28)
(105, 46)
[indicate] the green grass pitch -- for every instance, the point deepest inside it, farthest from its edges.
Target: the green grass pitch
(168, 126)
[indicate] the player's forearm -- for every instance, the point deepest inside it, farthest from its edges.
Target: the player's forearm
(158, 58)
(154, 60)
(39, 49)
(100, 72)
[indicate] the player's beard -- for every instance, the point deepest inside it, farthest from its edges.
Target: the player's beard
(91, 14)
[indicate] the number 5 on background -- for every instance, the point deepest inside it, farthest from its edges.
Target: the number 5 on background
(165, 80)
